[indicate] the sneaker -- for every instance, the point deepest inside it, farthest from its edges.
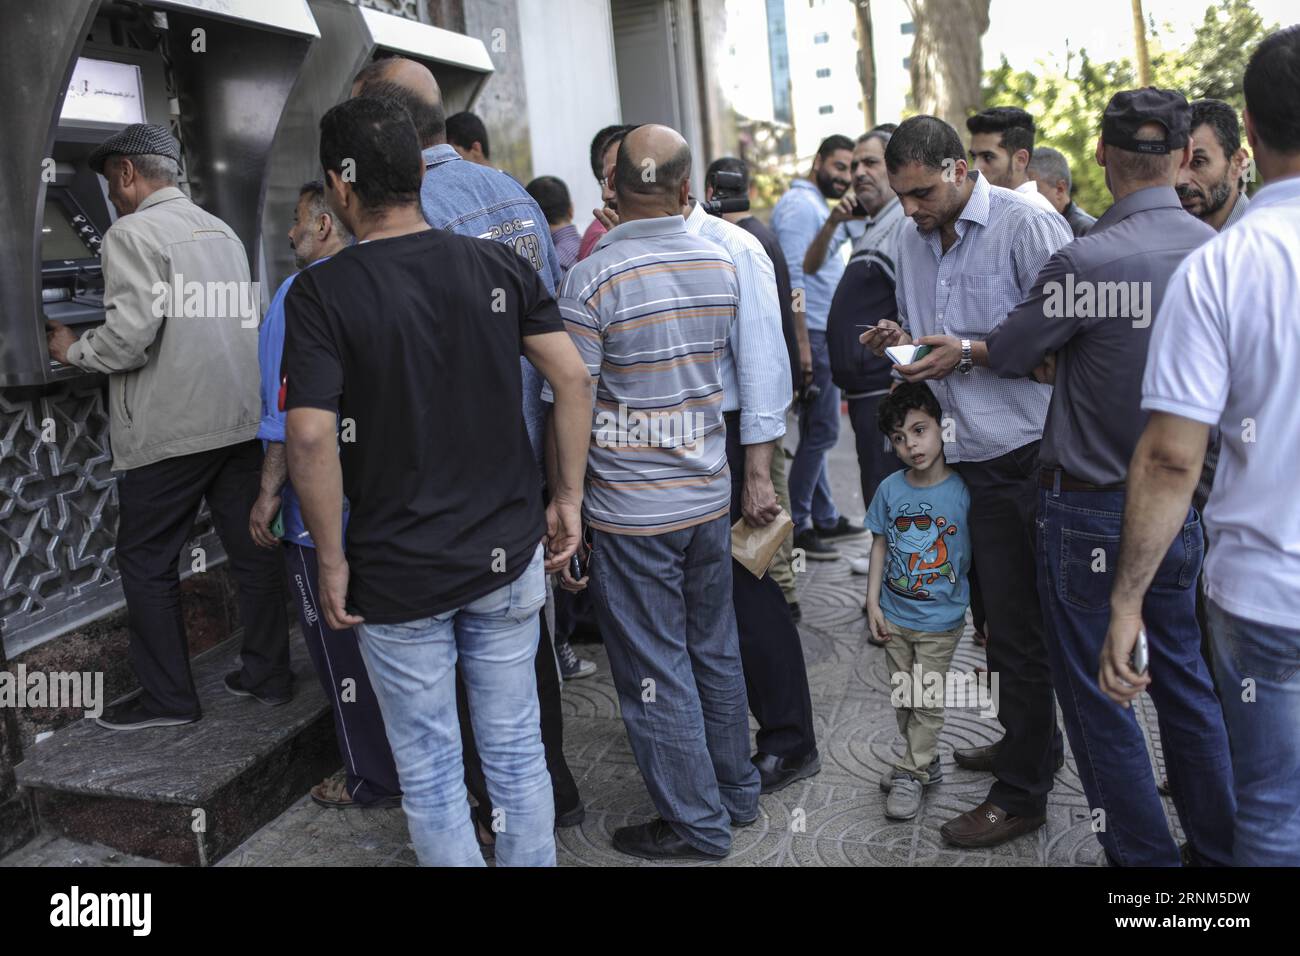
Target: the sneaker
(904, 800)
(859, 565)
(934, 771)
(235, 686)
(131, 714)
(571, 665)
(842, 530)
(814, 548)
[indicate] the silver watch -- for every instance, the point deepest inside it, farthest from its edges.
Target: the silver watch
(966, 364)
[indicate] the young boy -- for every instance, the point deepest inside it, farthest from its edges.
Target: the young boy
(917, 590)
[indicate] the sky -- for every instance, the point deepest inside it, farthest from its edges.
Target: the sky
(1027, 31)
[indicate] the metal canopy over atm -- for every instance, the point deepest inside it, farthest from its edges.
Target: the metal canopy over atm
(351, 37)
(216, 72)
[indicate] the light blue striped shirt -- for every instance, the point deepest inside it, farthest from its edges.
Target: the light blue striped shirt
(755, 366)
(1003, 241)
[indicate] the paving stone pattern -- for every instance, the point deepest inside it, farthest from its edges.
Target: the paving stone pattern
(833, 819)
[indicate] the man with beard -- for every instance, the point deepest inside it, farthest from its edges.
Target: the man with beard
(864, 296)
(1210, 188)
(807, 226)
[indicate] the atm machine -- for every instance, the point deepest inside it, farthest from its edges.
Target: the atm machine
(217, 73)
(351, 37)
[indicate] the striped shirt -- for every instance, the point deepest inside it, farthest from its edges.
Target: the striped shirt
(1003, 241)
(567, 241)
(650, 312)
(755, 367)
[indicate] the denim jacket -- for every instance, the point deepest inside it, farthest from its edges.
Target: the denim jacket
(484, 203)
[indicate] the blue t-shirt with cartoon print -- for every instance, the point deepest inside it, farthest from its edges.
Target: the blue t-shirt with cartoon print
(927, 557)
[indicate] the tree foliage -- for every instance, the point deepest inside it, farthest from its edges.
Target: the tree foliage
(1067, 103)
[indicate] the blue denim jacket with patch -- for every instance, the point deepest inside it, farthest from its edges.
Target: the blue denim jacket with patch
(485, 203)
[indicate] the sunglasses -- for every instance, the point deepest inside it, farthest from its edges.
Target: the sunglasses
(904, 522)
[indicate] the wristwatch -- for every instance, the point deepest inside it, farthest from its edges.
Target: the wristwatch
(966, 364)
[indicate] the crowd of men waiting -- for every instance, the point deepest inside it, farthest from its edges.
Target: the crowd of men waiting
(411, 434)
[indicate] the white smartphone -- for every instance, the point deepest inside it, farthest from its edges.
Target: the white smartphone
(907, 354)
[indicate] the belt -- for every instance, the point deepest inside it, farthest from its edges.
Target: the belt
(1059, 478)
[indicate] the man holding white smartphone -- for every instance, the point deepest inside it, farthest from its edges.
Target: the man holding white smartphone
(972, 255)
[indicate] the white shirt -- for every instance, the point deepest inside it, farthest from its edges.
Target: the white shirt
(1029, 189)
(1226, 351)
(755, 366)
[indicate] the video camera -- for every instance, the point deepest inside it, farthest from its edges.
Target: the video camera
(721, 203)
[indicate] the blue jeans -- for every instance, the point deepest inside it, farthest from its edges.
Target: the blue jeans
(1258, 667)
(1078, 552)
(413, 669)
(819, 429)
(665, 611)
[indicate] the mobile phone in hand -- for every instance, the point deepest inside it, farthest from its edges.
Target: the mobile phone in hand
(907, 354)
(1141, 658)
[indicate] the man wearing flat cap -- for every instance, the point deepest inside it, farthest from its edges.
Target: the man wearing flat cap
(1092, 308)
(179, 346)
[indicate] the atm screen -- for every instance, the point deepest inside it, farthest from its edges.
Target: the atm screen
(104, 91)
(59, 238)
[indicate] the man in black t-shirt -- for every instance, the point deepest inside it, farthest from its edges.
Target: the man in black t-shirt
(404, 392)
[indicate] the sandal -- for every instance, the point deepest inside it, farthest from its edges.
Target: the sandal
(332, 792)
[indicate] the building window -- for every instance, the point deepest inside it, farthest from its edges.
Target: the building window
(824, 72)
(825, 109)
(821, 38)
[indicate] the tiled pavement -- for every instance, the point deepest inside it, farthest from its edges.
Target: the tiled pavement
(833, 819)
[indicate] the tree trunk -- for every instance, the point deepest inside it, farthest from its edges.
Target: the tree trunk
(867, 62)
(947, 62)
(1140, 41)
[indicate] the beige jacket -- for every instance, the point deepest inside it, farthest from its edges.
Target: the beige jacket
(180, 353)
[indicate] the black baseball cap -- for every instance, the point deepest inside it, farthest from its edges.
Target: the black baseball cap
(1129, 110)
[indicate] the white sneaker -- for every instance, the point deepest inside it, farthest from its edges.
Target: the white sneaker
(859, 565)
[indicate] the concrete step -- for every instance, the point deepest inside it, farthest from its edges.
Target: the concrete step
(190, 794)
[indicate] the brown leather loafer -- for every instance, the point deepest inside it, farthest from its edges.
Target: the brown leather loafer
(978, 758)
(981, 758)
(988, 825)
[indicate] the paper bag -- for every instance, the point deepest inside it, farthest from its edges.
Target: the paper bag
(755, 547)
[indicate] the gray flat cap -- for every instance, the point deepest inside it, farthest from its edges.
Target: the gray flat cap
(138, 139)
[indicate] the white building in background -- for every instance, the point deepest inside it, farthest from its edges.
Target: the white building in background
(571, 77)
(825, 92)
(892, 32)
(744, 66)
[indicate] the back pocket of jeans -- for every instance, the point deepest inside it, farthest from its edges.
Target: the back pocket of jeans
(1088, 563)
(528, 591)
